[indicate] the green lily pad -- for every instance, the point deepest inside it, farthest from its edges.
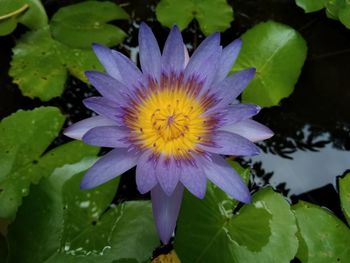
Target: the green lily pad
(278, 53)
(24, 137)
(212, 15)
(311, 5)
(58, 222)
(335, 9)
(77, 26)
(261, 232)
(30, 13)
(344, 16)
(322, 236)
(39, 64)
(344, 194)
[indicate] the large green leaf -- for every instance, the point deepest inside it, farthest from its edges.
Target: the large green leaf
(24, 137)
(344, 16)
(311, 5)
(58, 222)
(323, 237)
(261, 232)
(30, 13)
(335, 9)
(77, 26)
(212, 15)
(278, 53)
(344, 194)
(39, 64)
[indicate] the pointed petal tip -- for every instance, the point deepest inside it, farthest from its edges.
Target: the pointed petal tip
(252, 70)
(85, 184)
(247, 199)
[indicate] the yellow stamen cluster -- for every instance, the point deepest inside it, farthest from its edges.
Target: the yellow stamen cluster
(169, 121)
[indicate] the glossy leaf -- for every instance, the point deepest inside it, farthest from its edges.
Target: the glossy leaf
(58, 222)
(344, 194)
(344, 16)
(311, 5)
(212, 15)
(30, 13)
(323, 238)
(278, 53)
(39, 64)
(77, 26)
(24, 137)
(261, 232)
(335, 9)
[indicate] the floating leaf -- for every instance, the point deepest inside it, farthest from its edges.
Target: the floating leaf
(322, 236)
(30, 13)
(278, 53)
(311, 5)
(45, 219)
(344, 193)
(335, 9)
(212, 15)
(76, 26)
(24, 137)
(39, 64)
(344, 16)
(261, 232)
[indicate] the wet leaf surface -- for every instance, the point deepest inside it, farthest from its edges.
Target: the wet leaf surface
(30, 13)
(344, 194)
(76, 26)
(40, 65)
(125, 231)
(278, 53)
(212, 16)
(322, 236)
(24, 137)
(261, 232)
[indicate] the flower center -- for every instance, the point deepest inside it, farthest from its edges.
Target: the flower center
(168, 120)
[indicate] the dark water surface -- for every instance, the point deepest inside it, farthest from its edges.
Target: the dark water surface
(312, 126)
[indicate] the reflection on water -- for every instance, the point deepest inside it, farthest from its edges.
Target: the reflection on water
(305, 169)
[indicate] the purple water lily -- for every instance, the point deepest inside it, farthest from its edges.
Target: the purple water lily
(172, 121)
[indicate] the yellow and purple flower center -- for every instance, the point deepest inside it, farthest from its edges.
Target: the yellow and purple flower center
(169, 118)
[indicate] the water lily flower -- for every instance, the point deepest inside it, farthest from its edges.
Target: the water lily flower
(173, 120)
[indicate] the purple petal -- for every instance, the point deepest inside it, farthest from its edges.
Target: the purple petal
(77, 130)
(227, 59)
(226, 178)
(107, 86)
(150, 58)
(145, 173)
(109, 166)
(104, 107)
(107, 136)
(131, 75)
(203, 62)
(233, 85)
(166, 210)
(168, 174)
(194, 179)
(173, 56)
(104, 55)
(238, 112)
(227, 143)
(250, 129)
